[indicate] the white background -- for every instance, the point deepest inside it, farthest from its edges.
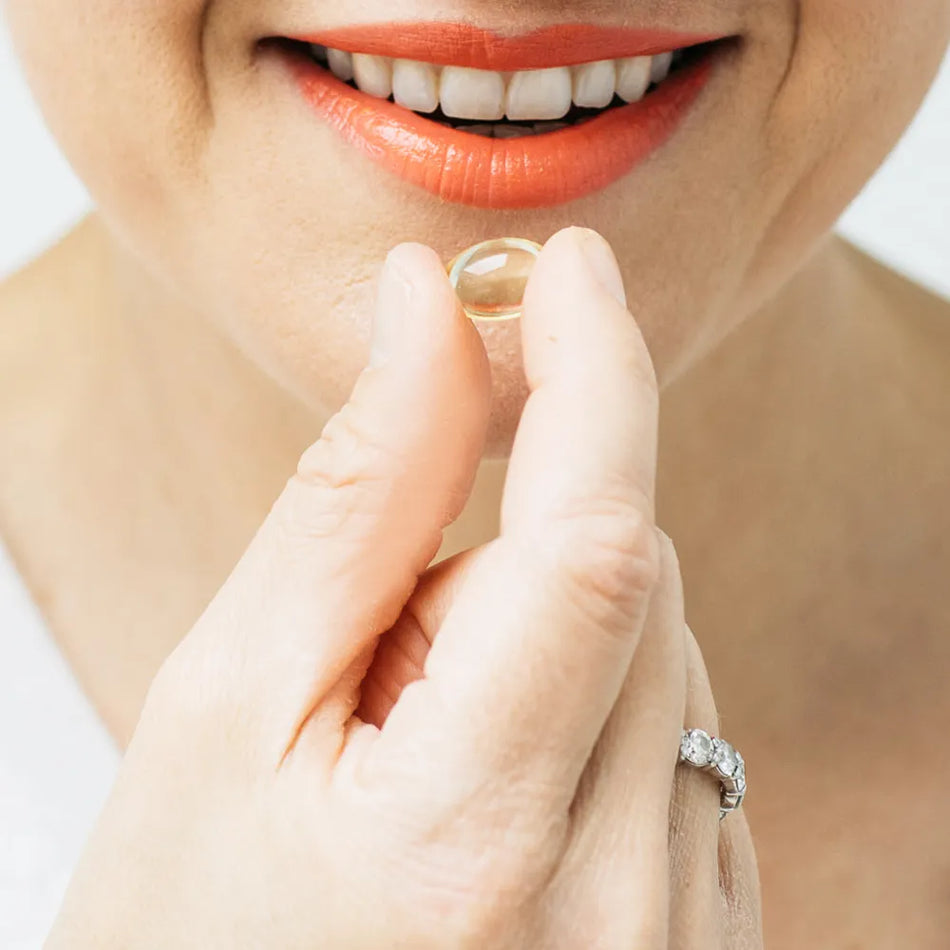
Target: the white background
(903, 216)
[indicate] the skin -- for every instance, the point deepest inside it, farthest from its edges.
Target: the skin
(208, 320)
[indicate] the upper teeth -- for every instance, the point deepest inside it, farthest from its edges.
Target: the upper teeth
(529, 94)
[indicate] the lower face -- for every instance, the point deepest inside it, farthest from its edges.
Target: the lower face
(259, 159)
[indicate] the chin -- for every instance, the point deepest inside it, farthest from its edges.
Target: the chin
(508, 399)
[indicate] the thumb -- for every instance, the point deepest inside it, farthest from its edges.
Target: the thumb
(359, 521)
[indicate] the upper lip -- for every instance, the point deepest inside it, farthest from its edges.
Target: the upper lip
(461, 44)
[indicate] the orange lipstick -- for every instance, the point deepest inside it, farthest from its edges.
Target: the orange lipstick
(524, 172)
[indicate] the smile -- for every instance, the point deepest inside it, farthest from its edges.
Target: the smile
(501, 122)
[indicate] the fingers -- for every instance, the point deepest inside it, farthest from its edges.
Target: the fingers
(739, 885)
(737, 899)
(619, 846)
(343, 546)
(694, 824)
(401, 656)
(531, 656)
(587, 436)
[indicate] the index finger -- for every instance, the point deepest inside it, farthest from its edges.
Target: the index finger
(531, 656)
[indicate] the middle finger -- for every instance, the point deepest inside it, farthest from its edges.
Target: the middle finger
(622, 811)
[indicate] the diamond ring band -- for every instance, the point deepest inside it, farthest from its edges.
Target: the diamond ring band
(716, 756)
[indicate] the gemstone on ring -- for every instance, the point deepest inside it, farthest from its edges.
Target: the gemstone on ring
(697, 747)
(724, 757)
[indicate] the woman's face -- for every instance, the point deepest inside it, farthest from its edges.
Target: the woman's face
(214, 169)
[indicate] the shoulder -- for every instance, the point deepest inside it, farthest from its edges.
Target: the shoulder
(897, 295)
(51, 277)
(33, 301)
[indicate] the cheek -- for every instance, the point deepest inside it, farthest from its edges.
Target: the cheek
(121, 87)
(141, 106)
(859, 71)
(156, 105)
(154, 123)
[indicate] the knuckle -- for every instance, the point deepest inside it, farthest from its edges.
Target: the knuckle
(608, 555)
(174, 706)
(178, 693)
(347, 451)
(472, 853)
(176, 689)
(192, 701)
(343, 476)
(482, 903)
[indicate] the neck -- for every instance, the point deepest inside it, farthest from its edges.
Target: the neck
(145, 451)
(803, 478)
(221, 435)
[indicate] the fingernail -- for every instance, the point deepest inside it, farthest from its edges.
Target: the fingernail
(601, 261)
(393, 297)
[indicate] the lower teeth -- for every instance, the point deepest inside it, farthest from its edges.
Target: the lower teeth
(511, 130)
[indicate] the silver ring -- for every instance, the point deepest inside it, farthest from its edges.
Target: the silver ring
(718, 757)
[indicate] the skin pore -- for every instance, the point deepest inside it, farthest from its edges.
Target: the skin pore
(164, 367)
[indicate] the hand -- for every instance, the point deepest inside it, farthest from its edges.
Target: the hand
(290, 785)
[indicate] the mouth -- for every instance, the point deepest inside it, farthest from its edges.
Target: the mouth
(501, 122)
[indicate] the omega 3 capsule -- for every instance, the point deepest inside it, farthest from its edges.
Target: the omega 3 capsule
(490, 277)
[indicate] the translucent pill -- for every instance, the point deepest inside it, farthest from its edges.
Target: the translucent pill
(490, 277)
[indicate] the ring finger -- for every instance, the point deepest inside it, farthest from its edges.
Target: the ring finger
(695, 897)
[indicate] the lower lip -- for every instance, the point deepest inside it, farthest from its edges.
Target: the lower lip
(527, 172)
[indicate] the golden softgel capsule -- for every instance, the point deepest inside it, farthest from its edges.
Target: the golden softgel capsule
(490, 277)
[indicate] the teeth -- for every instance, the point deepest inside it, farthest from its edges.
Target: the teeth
(660, 67)
(550, 126)
(594, 84)
(373, 74)
(539, 94)
(484, 95)
(415, 85)
(633, 77)
(472, 93)
(341, 64)
(510, 131)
